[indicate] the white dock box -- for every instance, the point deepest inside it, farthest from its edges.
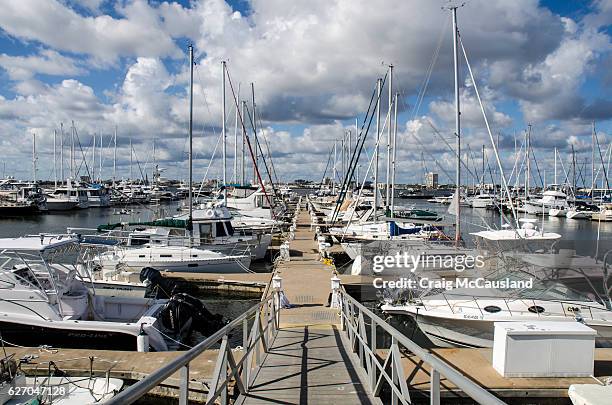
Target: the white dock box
(543, 349)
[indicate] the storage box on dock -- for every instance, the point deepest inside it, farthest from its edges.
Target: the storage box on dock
(543, 349)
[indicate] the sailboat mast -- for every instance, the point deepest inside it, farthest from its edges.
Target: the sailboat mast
(93, 158)
(131, 158)
(54, 158)
(256, 162)
(242, 166)
(388, 178)
(592, 160)
(100, 160)
(190, 217)
(556, 165)
(34, 156)
(394, 156)
(115, 156)
(223, 130)
(528, 151)
(72, 151)
(457, 126)
(378, 90)
(62, 151)
(236, 141)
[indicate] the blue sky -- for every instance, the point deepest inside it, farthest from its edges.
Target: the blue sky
(314, 64)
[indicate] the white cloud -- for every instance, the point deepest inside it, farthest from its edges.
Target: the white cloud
(47, 62)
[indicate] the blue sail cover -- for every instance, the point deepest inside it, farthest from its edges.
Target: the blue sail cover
(395, 230)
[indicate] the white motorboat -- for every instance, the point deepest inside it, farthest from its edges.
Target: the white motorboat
(172, 258)
(45, 302)
(552, 199)
(465, 317)
(482, 200)
(604, 214)
(68, 193)
(527, 237)
(98, 196)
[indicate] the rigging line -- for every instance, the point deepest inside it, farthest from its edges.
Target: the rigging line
(486, 120)
(212, 158)
(83, 161)
(326, 167)
(451, 148)
(426, 80)
(356, 154)
(358, 138)
(263, 133)
(424, 148)
(263, 156)
(248, 142)
(602, 160)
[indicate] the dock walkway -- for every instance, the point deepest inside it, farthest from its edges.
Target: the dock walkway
(309, 360)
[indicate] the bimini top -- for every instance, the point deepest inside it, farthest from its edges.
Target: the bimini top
(38, 243)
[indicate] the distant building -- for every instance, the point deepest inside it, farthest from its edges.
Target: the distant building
(431, 180)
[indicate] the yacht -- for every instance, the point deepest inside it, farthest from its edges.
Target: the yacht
(172, 258)
(604, 214)
(581, 210)
(482, 200)
(465, 317)
(528, 237)
(45, 301)
(63, 197)
(98, 196)
(552, 199)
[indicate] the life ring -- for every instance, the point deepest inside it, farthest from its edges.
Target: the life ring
(210, 213)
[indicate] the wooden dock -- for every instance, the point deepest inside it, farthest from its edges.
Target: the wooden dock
(309, 361)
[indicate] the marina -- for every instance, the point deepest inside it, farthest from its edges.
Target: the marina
(201, 213)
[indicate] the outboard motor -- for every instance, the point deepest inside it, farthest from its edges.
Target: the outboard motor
(158, 287)
(183, 313)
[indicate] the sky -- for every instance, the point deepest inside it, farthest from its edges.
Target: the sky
(106, 65)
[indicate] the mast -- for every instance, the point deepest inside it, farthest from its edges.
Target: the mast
(154, 164)
(236, 141)
(556, 165)
(394, 155)
(573, 170)
(100, 160)
(131, 157)
(334, 169)
(255, 131)
(62, 151)
(378, 90)
(190, 217)
(592, 160)
(93, 158)
(34, 156)
(115, 156)
(224, 133)
(242, 166)
(528, 151)
(483, 170)
(457, 125)
(54, 158)
(72, 151)
(388, 178)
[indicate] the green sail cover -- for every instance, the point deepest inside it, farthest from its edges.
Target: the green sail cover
(168, 222)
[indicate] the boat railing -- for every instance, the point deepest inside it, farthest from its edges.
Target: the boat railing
(572, 309)
(384, 366)
(229, 369)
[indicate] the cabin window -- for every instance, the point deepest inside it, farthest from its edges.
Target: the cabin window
(192, 265)
(219, 229)
(205, 231)
(140, 240)
(536, 309)
(165, 255)
(141, 256)
(492, 309)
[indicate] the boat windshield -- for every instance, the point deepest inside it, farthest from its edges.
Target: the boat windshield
(543, 290)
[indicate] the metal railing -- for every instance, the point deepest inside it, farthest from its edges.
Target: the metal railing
(353, 321)
(227, 369)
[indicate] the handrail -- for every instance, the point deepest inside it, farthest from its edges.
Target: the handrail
(352, 316)
(259, 335)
